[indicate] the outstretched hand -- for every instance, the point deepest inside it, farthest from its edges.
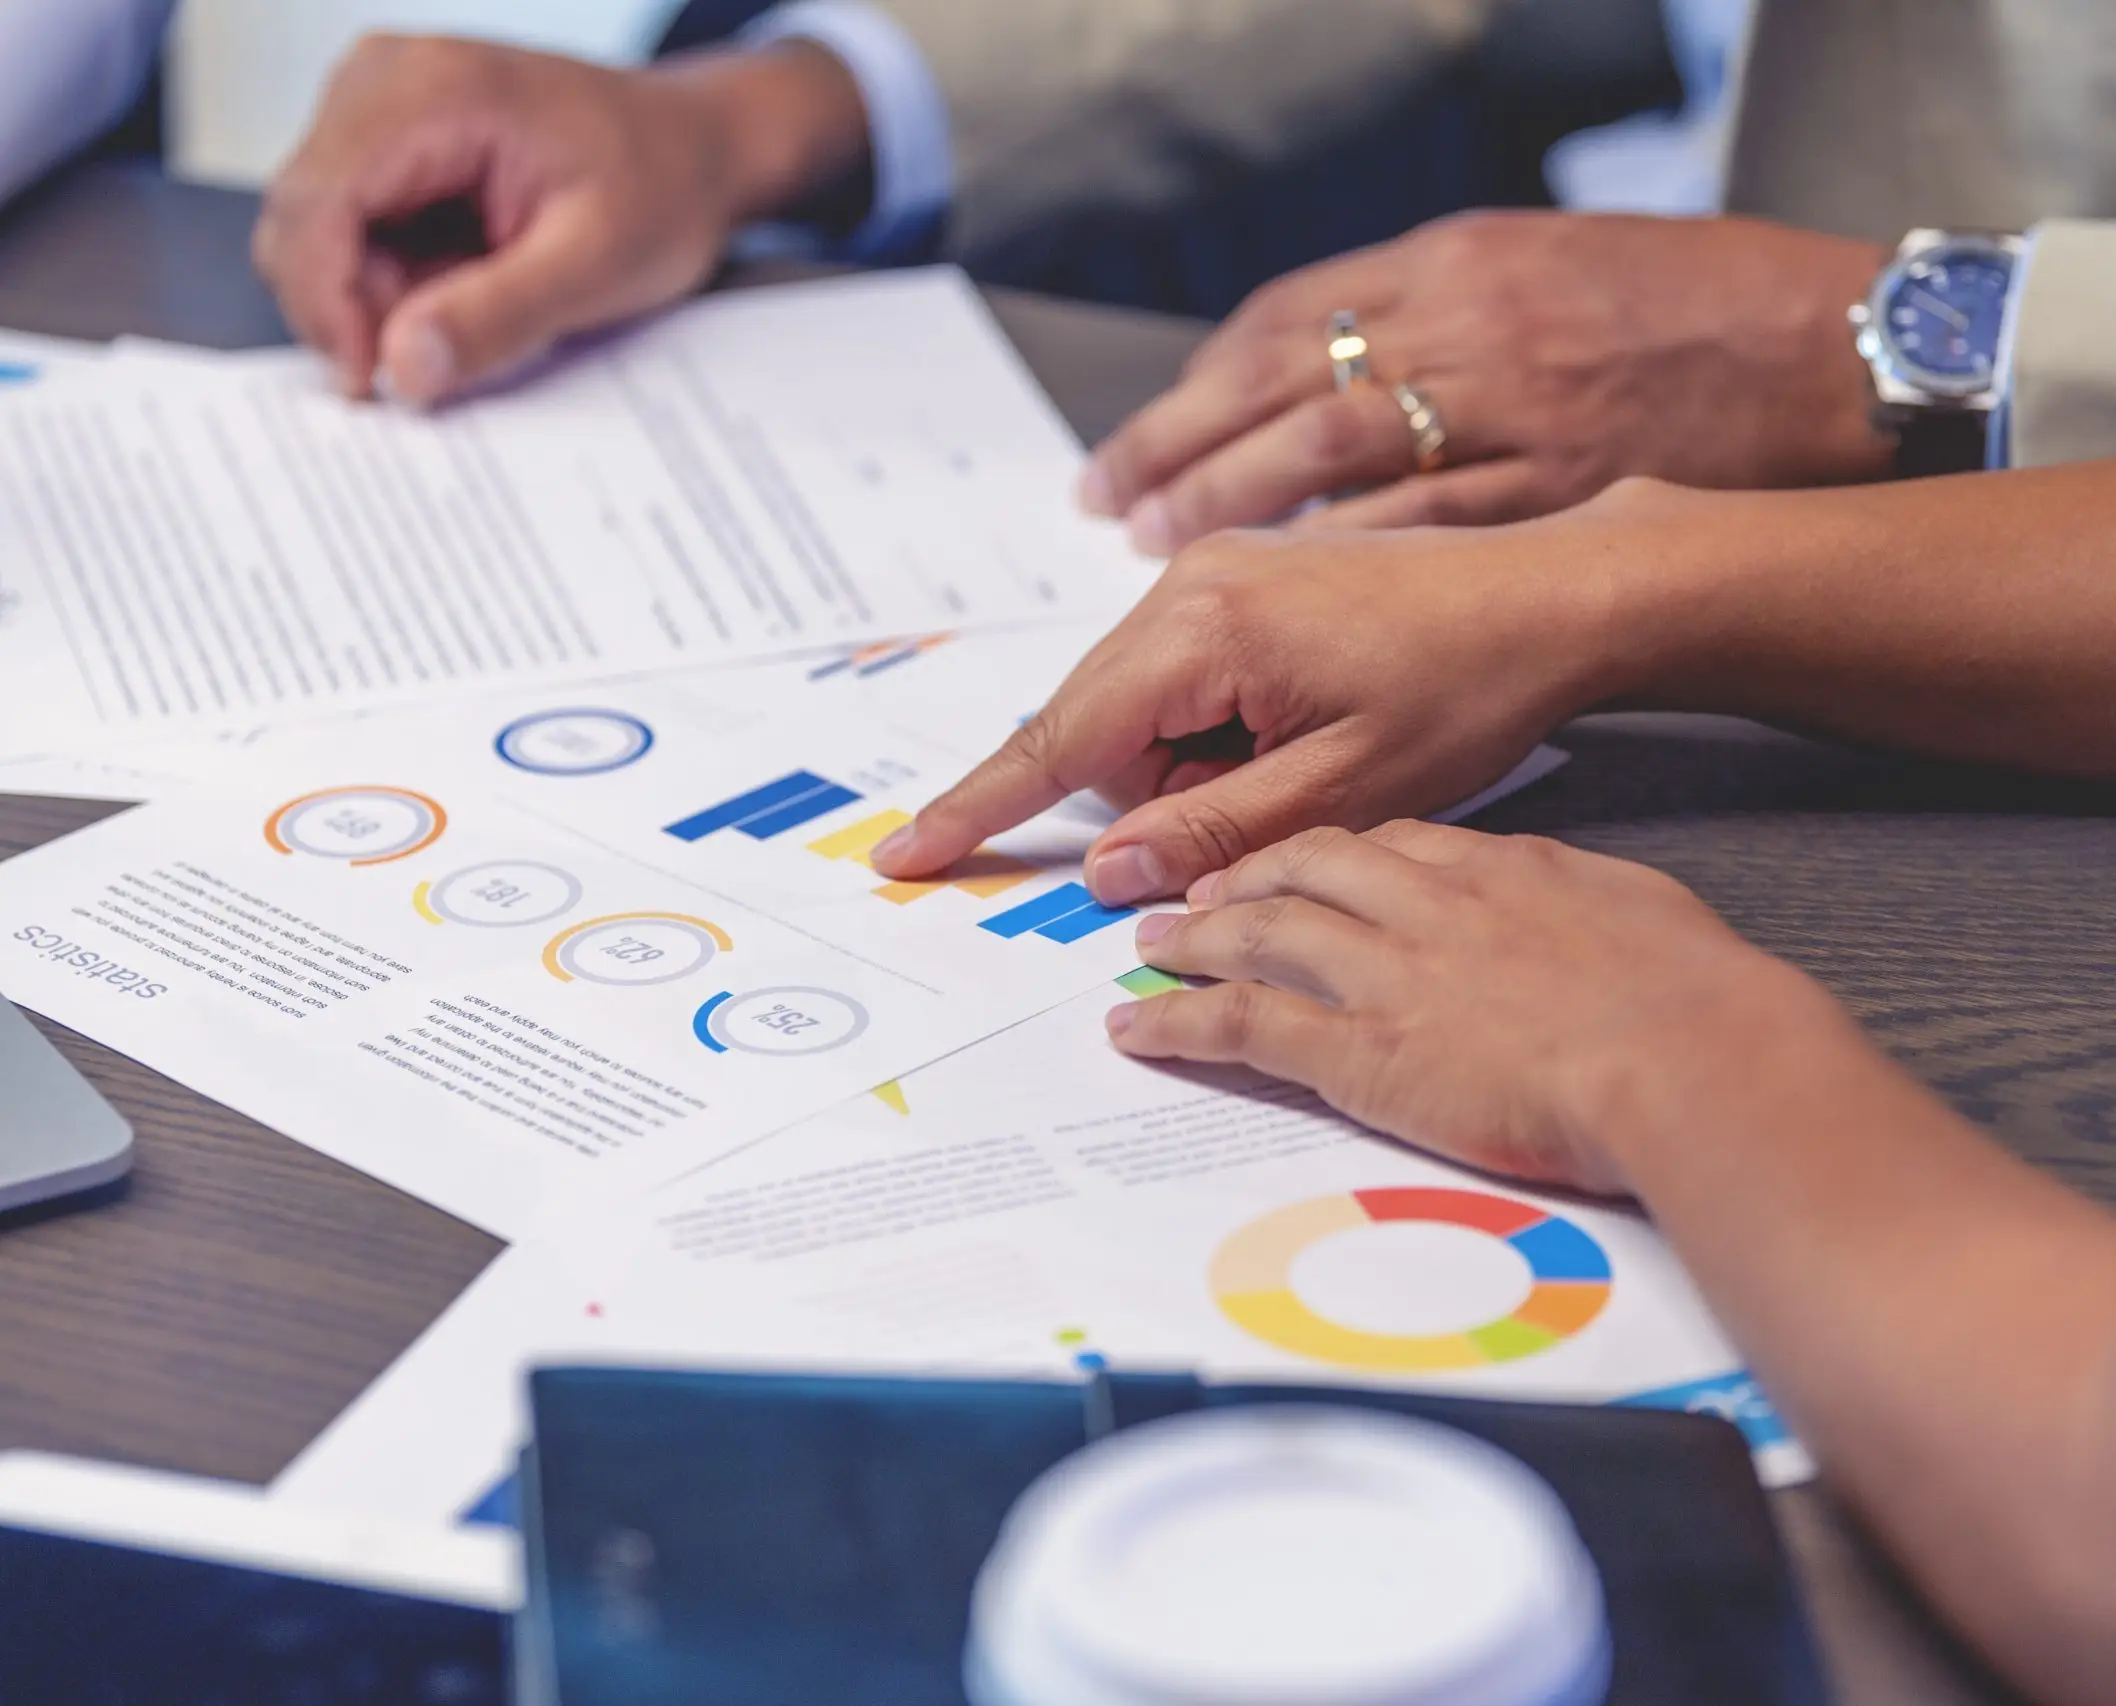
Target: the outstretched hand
(1502, 1000)
(1271, 683)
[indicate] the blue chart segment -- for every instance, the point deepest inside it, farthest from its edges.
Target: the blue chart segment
(1066, 914)
(770, 810)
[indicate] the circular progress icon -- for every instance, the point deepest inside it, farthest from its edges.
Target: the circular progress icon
(634, 949)
(788, 1020)
(574, 742)
(1252, 1279)
(359, 826)
(499, 894)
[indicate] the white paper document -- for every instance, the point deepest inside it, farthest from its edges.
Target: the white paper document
(526, 950)
(1044, 1205)
(758, 474)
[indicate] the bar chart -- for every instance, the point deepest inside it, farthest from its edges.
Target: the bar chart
(1066, 914)
(798, 798)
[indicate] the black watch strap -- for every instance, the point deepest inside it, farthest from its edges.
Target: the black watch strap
(1938, 441)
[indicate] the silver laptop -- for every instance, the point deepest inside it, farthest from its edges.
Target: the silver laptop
(57, 1136)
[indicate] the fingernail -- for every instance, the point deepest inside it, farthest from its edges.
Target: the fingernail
(1152, 528)
(1202, 891)
(894, 845)
(1154, 926)
(1127, 874)
(423, 367)
(1119, 1019)
(1098, 492)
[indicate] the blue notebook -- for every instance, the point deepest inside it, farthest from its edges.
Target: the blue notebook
(747, 1540)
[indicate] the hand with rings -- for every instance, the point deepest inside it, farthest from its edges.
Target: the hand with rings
(1493, 367)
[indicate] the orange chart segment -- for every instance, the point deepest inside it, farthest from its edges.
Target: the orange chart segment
(982, 875)
(1251, 1279)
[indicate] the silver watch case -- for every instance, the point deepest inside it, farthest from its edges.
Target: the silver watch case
(1898, 383)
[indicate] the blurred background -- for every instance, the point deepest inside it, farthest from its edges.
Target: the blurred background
(1611, 104)
(243, 75)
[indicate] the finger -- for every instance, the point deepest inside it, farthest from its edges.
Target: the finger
(1361, 876)
(1480, 495)
(1430, 843)
(309, 247)
(1201, 412)
(1140, 689)
(1166, 845)
(1301, 302)
(1331, 442)
(1285, 941)
(1286, 1036)
(493, 314)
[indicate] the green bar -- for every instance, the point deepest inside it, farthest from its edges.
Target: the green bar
(1149, 980)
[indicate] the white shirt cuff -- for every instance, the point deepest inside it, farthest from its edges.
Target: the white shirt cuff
(907, 117)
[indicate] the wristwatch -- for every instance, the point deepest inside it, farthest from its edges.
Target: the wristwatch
(1930, 332)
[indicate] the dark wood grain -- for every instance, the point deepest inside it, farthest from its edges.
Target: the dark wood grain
(215, 1312)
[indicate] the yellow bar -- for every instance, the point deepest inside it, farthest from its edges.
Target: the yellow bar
(988, 874)
(856, 841)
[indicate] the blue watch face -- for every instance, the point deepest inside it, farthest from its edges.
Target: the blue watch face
(1945, 313)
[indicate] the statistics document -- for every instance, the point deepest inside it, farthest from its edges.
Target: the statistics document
(503, 958)
(755, 475)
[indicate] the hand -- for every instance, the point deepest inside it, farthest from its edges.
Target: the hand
(1562, 352)
(1269, 683)
(458, 206)
(1505, 1001)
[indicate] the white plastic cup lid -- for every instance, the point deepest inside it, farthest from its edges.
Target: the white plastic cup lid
(1288, 1555)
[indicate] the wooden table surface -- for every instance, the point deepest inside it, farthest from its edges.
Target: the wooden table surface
(215, 1311)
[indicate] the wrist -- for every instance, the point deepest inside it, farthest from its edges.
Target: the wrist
(1754, 1054)
(782, 122)
(1648, 577)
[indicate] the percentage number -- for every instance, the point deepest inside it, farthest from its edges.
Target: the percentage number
(633, 952)
(791, 1020)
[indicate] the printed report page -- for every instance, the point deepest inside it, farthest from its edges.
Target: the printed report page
(531, 949)
(1043, 1206)
(755, 475)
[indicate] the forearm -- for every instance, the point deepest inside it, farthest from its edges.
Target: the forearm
(789, 118)
(1938, 1319)
(1970, 618)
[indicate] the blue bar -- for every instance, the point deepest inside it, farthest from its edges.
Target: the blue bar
(1085, 922)
(1559, 1250)
(744, 807)
(16, 373)
(795, 813)
(1061, 902)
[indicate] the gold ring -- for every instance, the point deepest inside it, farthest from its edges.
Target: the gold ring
(1428, 431)
(1348, 350)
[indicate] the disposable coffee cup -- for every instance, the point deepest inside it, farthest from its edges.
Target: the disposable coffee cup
(1289, 1555)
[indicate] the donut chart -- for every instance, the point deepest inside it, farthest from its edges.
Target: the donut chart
(1251, 1278)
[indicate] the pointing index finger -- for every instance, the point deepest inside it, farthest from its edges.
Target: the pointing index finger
(1010, 787)
(1107, 712)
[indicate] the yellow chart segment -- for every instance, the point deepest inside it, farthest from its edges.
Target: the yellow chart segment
(982, 875)
(857, 841)
(423, 907)
(558, 942)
